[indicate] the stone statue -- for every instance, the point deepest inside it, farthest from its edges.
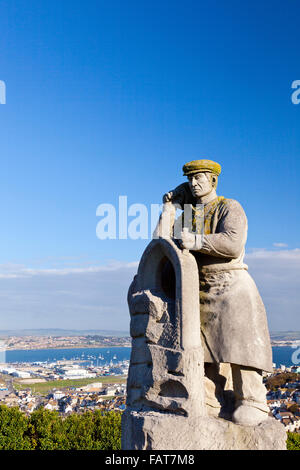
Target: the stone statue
(195, 375)
(233, 320)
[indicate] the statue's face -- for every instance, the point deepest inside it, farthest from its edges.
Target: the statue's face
(200, 184)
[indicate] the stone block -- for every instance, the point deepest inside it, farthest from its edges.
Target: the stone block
(138, 325)
(140, 352)
(147, 302)
(139, 376)
(168, 431)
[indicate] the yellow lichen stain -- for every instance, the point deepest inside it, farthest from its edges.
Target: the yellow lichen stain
(201, 218)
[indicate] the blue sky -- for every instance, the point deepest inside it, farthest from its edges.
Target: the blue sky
(111, 98)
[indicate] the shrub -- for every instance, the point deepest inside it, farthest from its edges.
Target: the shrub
(47, 430)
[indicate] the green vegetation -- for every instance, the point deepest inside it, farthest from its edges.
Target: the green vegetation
(44, 388)
(281, 379)
(13, 430)
(46, 430)
(293, 441)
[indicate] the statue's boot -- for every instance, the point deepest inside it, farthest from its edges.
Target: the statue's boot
(248, 414)
(214, 389)
(250, 393)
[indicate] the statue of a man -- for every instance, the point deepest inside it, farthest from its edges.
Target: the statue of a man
(233, 319)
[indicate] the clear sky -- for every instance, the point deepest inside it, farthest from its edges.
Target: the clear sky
(111, 98)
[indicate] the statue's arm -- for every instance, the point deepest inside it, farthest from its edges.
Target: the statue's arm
(229, 239)
(172, 200)
(180, 195)
(231, 235)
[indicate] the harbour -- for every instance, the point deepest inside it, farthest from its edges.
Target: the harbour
(282, 355)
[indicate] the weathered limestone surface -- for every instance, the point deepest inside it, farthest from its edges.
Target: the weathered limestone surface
(157, 431)
(166, 364)
(166, 384)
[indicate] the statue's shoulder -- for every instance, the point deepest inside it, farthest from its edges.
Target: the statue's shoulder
(230, 205)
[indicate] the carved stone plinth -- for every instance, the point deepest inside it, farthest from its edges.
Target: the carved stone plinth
(166, 431)
(166, 364)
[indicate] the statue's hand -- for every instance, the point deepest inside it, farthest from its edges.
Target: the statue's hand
(190, 241)
(187, 240)
(168, 197)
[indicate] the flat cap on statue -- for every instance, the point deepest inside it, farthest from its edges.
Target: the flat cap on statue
(197, 166)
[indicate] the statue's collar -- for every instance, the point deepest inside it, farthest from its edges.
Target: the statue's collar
(214, 199)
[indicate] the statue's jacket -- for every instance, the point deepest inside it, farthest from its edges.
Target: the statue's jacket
(234, 325)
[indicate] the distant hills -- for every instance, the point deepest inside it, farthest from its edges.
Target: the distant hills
(285, 335)
(62, 332)
(275, 335)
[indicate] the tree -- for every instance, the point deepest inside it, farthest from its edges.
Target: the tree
(13, 429)
(293, 408)
(87, 431)
(46, 430)
(293, 441)
(108, 430)
(279, 380)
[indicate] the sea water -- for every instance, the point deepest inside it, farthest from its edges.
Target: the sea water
(101, 356)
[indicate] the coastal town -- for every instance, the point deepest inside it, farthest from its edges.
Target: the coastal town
(283, 396)
(64, 386)
(30, 342)
(59, 341)
(75, 387)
